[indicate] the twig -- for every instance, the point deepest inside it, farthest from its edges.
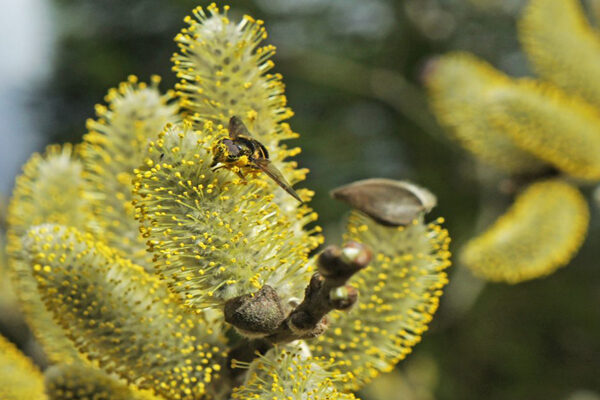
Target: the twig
(260, 315)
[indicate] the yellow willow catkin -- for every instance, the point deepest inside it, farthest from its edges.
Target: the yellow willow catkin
(493, 115)
(215, 237)
(113, 148)
(287, 373)
(562, 46)
(77, 382)
(224, 71)
(399, 293)
(461, 87)
(20, 379)
(8, 297)
(122, 317)
(560, 129)
(49, 190)
(541, 232)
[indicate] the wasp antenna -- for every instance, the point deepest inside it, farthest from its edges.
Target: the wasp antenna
(294, 194)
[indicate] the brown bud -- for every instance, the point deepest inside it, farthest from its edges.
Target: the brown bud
(356, 255)
(388, 202)
(336, 263)
(343, 297)
(255, 315)
(329, 259)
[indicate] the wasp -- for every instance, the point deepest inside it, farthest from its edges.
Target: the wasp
(241, 150)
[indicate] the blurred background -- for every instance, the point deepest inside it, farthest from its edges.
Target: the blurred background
(352, 70)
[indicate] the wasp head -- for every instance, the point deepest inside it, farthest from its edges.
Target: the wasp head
(224, 151)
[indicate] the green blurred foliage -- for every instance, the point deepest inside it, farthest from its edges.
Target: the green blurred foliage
(352, 72)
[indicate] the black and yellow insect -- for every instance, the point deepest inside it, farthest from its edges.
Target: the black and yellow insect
(241, 150)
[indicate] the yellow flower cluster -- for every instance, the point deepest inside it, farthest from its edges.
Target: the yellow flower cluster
(461, 88)
(510, 240)
(562, 46)
(400, 292)
(202, 251)
(50, 190)
(19, 377)
(289, 374)
(529, 127)
(72, 382)
(111, 150)
(108, 307)
(223, 77)
(125, 250)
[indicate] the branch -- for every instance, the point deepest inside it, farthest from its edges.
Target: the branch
(260, 315)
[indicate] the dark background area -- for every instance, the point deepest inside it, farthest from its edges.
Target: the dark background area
(352, 72)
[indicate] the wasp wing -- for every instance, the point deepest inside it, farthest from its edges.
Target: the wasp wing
(237, 128)
(272, 172)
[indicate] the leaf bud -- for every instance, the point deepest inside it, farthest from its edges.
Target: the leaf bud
(343, 297)
(336, 263)
(388, 202)
(255, 315)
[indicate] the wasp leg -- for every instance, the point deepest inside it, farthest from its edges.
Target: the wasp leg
(239, 173)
